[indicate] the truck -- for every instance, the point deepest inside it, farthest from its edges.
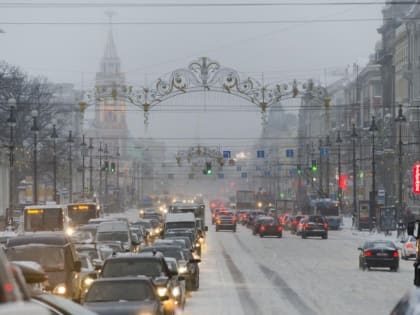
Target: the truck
(363, 221)
(245, 199)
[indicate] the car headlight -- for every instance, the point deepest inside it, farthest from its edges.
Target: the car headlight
(182, 269)
(162, 291)
(157, 230)
(88, 282)
(197, 244)
(176, 291)
(60, 289)
(69, 231)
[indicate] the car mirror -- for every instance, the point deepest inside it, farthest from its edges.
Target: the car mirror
(181, 278)
(77, 266)
(359, 248)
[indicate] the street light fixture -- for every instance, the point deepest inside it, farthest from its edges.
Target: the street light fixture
(84, 152)
(354, 138)
(400, 119)
(35, 129)
(70, 141)
(54, 137)
(12, 124)
(372, 196)
(339, 141)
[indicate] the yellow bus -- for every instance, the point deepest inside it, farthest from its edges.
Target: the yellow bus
(49, 217)
(80, 213)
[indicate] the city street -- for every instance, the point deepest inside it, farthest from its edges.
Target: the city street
(244, 274)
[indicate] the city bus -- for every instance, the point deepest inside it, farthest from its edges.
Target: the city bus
(49, 217)
(81, 213)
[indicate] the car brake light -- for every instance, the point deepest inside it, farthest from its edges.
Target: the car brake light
(279, 228)
(368, 253)
(262, 228)
(409, 245)
(325, 225)
(395, 254)
(306, 225)
(295, 222)
(8, 287)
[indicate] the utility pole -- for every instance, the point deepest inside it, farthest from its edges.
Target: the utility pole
(84, 149)
(400, 119)
(354, 137)
(100, 173)
(54, 136)
(327, 145)
(106, 177)
(339, 141)
(90, 148)
(70, 141)
(321, 177)
(11, 121)
(372, 196)
(35, 129)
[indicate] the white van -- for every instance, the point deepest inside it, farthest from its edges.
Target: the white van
(116, 231)
(176, 221)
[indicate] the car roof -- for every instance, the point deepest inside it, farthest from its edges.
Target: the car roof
(133, 256)
(179, 217)
(126, 278)
(53, 238)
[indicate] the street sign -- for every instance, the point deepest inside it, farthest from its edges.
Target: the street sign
(226, 154)
(260, 154)
(324, 151)
(244, 175)
(289, 153)
(416, 178)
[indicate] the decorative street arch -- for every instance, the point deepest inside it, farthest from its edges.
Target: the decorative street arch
(205, 74)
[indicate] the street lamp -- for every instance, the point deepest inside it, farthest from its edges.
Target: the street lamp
(12, 124)
(70, 141)
(35, 129)
(354, 138)
(339, 141)
(400, 119)
(54, 137)
(372, 196)
(90, 167)
(83, 149)
(327, 145)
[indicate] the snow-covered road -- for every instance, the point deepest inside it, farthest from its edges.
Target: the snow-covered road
(244, 274)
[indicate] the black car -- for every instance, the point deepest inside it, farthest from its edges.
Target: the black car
(124, 296)
(270, 227)
(261, 220)
(188, 265)
(152, 266)
(226, 220)
(381, 254)
(314, 225)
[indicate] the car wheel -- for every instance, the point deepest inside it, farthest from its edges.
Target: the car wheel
(253, 232)
(303, 235)
(325, 236)
(280, 235)
(217, 229)
(261, 235)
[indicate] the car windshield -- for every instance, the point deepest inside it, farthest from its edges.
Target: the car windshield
(50, 257)
(145, 224)
(112, 236)
(91, 252)
(168, 252)
(132, 267)
(380, 244)
(180, 225)
(110, 291)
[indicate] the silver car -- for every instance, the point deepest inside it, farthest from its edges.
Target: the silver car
(408, 248)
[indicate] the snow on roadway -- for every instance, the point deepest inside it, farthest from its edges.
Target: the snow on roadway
(243, 274)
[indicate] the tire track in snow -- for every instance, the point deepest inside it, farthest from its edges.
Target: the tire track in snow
(294, 298)
(249, 306)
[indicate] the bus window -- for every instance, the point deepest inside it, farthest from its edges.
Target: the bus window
(49, 219)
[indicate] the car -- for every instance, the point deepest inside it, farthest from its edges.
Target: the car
(409, 303)
(124, 296)
(57, 305)
(151, 265)
(294, 222)
(226, 220)
(408, 249)
(179, 291)
(271, 227)
(379, 254)
(259, 221)
(334, 223)
(314, 225)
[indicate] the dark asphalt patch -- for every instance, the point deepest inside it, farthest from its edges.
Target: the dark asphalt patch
(249, 306)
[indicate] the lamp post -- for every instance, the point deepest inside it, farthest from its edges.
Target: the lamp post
(321, 179)
(354, 137)
(12, 124)
(54, 137)
(83, 151)
(118, 177)
(400, 119)
(339, 141)
(106, 177)
(100, 171)
(35, 130)
(90, 166)
(70, 141)
(372, 195)
(327, 188)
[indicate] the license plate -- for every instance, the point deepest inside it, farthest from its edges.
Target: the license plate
(382, 254)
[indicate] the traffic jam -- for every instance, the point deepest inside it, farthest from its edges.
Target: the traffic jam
(74, 260)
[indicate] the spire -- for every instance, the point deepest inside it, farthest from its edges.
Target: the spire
(110, 62)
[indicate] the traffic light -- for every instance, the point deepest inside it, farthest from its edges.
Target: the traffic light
(106, 166)
(299, 170)
(112, 167)
(342, 182)
(208, 170)
(314, 166)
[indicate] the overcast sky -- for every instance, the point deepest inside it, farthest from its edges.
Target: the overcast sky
(282, 51)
